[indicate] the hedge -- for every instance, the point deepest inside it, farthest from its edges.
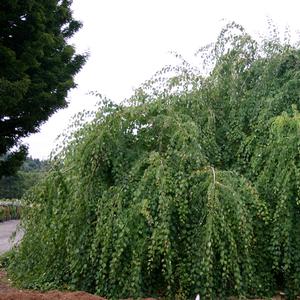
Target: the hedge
(9, 209)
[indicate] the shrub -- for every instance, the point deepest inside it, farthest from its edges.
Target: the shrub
(10, 209)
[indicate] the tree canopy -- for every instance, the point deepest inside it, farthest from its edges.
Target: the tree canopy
(191, 186)
(37, 68)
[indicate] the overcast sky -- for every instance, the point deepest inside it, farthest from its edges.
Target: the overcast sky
(128, 40)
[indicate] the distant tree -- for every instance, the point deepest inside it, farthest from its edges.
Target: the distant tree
(37, 68)
(34, 164)
(29, 174)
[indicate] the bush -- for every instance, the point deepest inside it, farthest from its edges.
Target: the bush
(5, 259)
(10, 209)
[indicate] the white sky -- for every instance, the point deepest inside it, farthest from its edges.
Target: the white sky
(129, 40)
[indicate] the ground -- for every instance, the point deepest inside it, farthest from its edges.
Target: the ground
(6, 230)
(7, 292)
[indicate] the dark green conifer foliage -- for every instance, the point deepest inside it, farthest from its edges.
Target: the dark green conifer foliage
(37, 68)
(191, 186)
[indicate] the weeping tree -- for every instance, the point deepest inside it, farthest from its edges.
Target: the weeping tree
(191, 186)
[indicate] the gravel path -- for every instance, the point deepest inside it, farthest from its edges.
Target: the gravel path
(6, 230)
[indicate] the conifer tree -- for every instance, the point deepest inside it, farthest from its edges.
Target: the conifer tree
(37, 68)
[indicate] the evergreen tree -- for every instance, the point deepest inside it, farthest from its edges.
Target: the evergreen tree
(37, 68)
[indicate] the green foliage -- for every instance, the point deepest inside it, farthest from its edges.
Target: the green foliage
(4, 259)
(11, 162)
(10, 209)
(29, 174)
(278, 181)
(192, 186)
(37, 68)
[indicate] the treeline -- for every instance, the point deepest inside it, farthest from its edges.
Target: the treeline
(14, 187)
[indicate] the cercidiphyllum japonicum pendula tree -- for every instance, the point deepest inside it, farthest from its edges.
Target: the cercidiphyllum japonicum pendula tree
(189, 187)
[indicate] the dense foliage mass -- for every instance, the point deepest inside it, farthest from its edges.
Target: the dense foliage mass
(192, 186)
(37, 68)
